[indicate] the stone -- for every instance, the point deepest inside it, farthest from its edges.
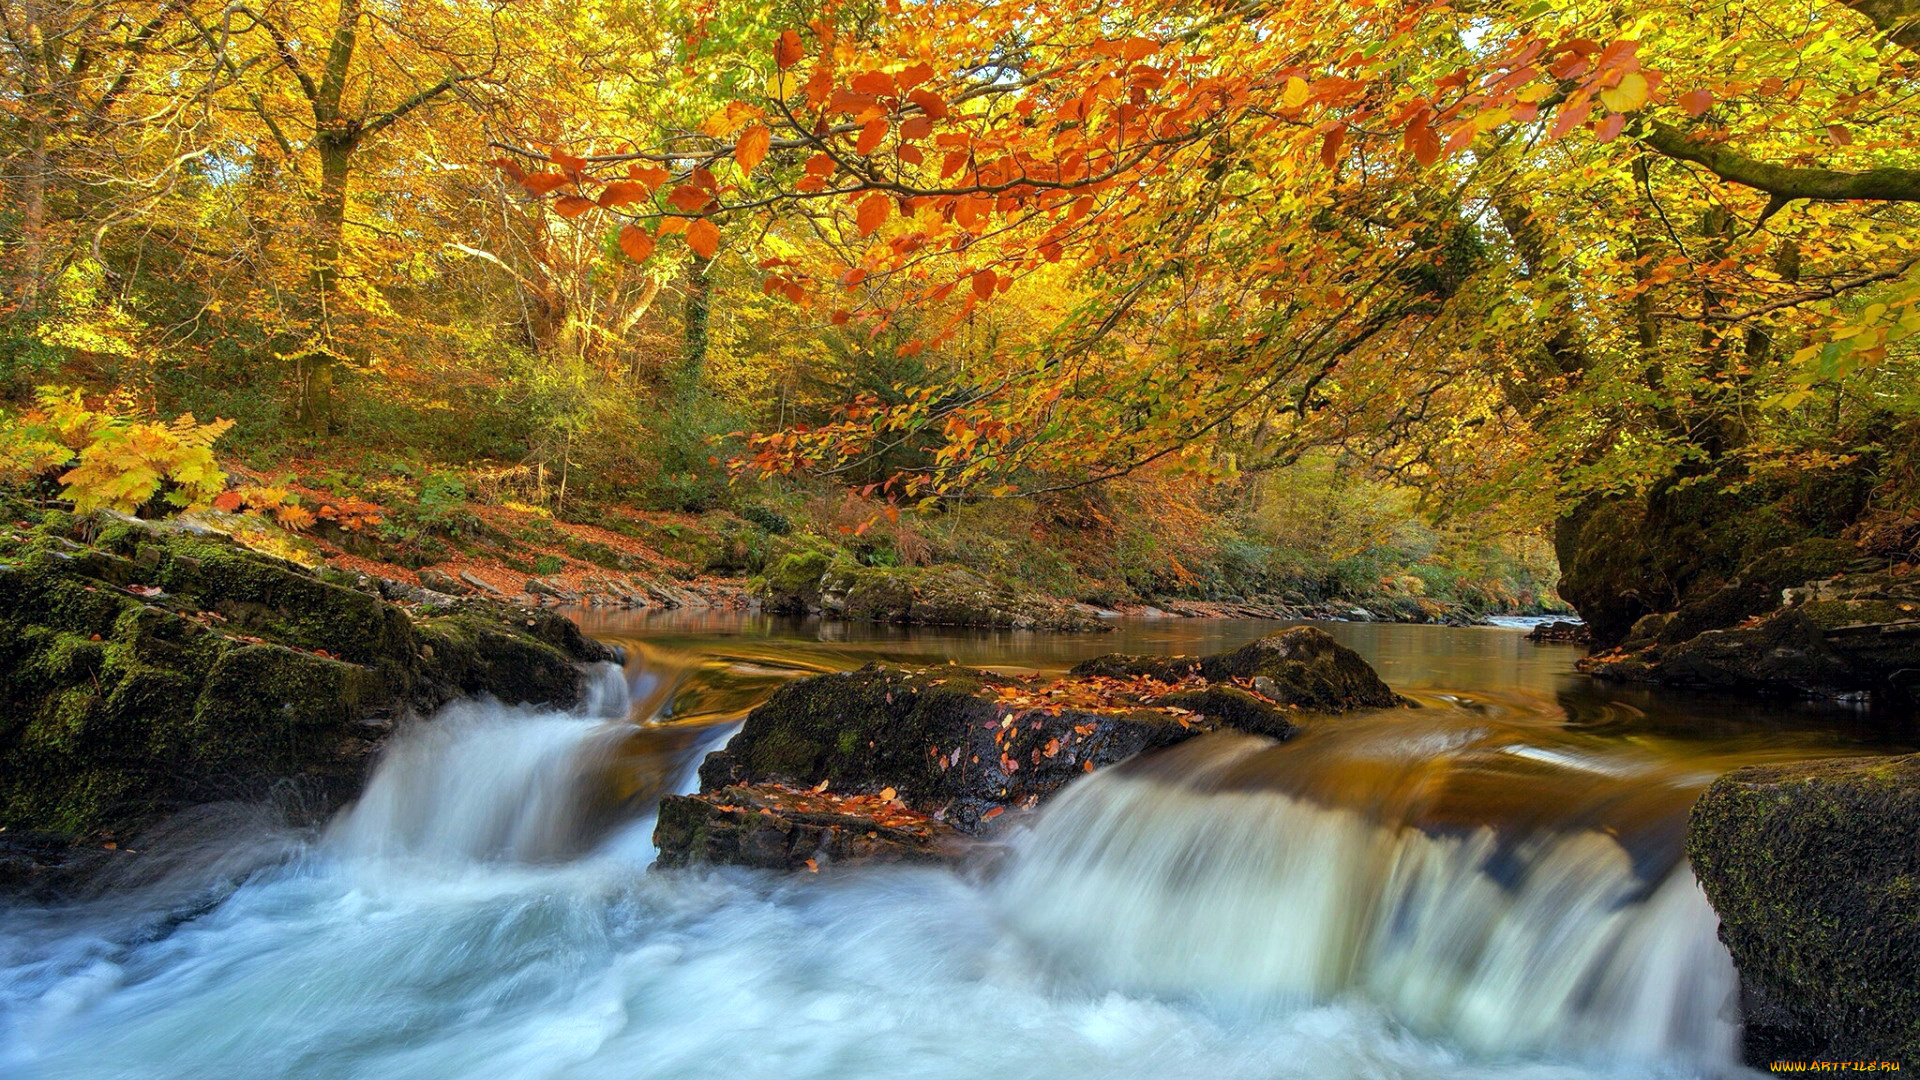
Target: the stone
(1814, 869)
(778, 828)
(157, 668)
(1853, 636)
(439, 580)
(1564, 633)
(1302, 666)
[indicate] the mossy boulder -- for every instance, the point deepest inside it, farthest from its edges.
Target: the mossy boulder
(942, 596)
(1302, 666)
(1625, 557)
(1814, 869)
(152, 667)
(808, 577)
(1849, 636)
(961, 747)
(791, 584)
(1754, 590)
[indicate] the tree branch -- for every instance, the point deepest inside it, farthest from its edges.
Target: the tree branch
(1785, 181)
(1898, 19)
(392, 115)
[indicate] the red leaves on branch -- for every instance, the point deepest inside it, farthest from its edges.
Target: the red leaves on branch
(751, 148)
(623, 193)
(544, 183)
(703, 236)
(637, 245)
(788, 50)
(871, 135)
(872, 213)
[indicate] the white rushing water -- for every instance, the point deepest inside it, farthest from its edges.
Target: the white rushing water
(1257, 901)
(476, 916)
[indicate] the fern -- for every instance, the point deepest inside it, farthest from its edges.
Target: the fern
(119, 463)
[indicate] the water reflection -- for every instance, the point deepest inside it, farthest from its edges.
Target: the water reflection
(726, 661)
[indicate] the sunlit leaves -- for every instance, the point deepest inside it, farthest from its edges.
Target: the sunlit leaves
(751, 149)
(1295, 93)
(788, 50)
(703, 236)
(543, 183)
(120, 463)
(872, 133)
(1631, 93)
(873, 212)
(636, 244)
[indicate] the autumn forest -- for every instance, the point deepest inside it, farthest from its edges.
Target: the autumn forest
(363, 361)
(1441, 276)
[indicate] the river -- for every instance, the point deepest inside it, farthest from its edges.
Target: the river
(1489, 886)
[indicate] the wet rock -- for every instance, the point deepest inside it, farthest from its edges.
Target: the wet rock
(777, 828)
(959, 744)
(1560, 633)
(481, 585)
(1814, 869)
(1302, 666)
(1852, 636)
(440, 581)
(154, 668)
(963, 747)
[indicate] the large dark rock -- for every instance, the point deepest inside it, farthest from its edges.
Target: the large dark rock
(777, 828)
(1625, 557)
(952, 742)
(1853, 636)
(152, 667)
(959, 747)
(1302, 666)
(1814, 869)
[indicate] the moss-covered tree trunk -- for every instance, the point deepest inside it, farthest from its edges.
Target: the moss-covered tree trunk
(330, 223)
(698, 314)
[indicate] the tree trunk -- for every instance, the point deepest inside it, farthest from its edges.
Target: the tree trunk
(33, 224)
(698, 311)
(330, 223)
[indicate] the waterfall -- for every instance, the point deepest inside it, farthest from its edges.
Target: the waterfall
(484, 781)
(1161, 879)
(1232, 909)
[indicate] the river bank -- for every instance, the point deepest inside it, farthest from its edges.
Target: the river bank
(152, 667)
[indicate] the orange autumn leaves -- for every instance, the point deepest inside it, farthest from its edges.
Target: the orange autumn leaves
(1050, 148)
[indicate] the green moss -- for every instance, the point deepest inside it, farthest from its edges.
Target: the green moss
(256, 686)
(1829, 614)
(1812, 869)
(220, 672)
(797, 573)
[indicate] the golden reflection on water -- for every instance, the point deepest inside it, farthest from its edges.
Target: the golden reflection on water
(1506, 733)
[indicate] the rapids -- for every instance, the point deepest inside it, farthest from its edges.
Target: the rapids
(1490, 886)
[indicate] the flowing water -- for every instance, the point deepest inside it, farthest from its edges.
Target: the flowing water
(1489, 886)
